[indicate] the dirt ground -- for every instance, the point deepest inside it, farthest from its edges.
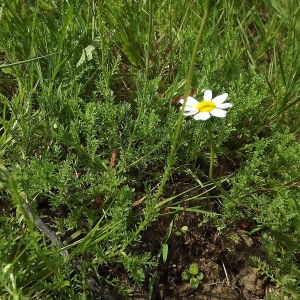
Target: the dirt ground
(225, 264)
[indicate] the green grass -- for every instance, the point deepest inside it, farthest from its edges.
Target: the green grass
(89, 128)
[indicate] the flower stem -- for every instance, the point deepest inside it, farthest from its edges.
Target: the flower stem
(212, 160)
(212, 152)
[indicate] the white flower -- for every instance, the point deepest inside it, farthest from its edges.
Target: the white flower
(208, 107)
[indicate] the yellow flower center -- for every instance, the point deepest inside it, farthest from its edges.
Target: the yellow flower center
(204, 106)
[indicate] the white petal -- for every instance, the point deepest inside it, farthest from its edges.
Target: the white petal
(190, 113)
(220, 113)
(207, 95)
(224, 105)
(220, 99)
(190, 102)
(202, 116)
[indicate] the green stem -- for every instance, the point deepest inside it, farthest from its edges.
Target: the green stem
(212, 152)
(212, 160)
(178, 124)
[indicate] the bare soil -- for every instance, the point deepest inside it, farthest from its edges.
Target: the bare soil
(226, 265)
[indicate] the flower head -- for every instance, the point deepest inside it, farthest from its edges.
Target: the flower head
(208, 107)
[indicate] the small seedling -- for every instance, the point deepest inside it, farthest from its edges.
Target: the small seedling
(182, 231)
(194, 275)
